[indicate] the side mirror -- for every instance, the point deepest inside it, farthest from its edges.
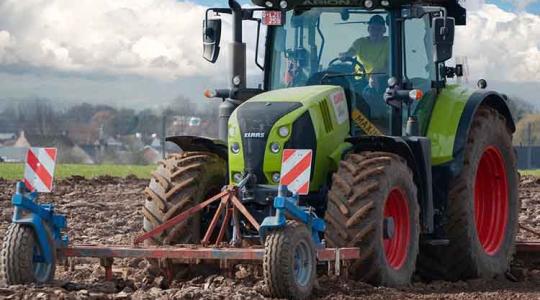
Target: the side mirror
(211, 39)
(443, 38)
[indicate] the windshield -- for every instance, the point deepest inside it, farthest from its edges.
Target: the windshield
(341, 46)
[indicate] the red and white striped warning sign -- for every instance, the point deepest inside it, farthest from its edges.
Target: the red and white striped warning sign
(39, 169)
(296, 170)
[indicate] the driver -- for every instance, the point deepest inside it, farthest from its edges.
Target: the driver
(371, 51)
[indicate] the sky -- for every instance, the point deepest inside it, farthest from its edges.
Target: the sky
(145, 53)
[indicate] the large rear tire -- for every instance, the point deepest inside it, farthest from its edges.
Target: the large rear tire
(373, 193)
(483, 207)
(20, 251)
(180, 182)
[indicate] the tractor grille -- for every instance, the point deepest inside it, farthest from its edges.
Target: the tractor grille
(325, 112)
(255, 120)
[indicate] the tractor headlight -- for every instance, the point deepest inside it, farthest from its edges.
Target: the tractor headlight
(235, 148)
(275, 177)
(274, 147)
(283, 131)
(237, 177)
(368, 4)
(385, 3)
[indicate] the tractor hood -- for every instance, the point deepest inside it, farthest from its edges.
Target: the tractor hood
(263, 126)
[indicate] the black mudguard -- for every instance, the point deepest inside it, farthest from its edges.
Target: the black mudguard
(198, 143)
(490, 98)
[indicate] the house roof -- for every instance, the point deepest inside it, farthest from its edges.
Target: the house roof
(49, 140)
(13, 154)
(7, 136)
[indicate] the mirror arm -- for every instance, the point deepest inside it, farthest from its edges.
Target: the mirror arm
(444, 29)
(217, 11)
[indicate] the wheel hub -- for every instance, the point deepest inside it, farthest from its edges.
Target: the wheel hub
(302, 267)
(389, 228)
(396, 228)
(491, 200)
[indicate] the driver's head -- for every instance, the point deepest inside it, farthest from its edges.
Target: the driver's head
(376, 27)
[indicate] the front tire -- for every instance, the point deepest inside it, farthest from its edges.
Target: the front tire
(289, 263)
(373, 193)
(18, 263)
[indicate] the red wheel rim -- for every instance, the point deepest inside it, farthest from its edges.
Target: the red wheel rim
(397, 247)
(491, 200)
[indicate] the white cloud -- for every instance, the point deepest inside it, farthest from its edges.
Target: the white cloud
(522, 4)
(160, 38)
(500, 45)
(472, 5)
(6, 44)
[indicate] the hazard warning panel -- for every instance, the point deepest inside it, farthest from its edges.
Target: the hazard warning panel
(296, 170)
(39, 169)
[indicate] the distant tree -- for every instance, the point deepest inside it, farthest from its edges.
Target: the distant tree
(520, 108)
(123, 122)
(528, 131)
(148, 122)
(37, 116)
(85, 112)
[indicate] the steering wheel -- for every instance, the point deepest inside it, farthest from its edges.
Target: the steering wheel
(348, 65)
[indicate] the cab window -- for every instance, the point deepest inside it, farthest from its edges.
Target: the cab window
(419, 69)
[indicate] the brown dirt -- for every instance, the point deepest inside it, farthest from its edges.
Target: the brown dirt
(107, 211)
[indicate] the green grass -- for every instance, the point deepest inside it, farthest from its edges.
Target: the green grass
(530, 172)
(13, 171)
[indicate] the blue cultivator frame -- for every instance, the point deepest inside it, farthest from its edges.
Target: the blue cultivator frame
(284, 204)
(46, 224)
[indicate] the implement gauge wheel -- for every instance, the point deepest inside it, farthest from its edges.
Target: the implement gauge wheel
(180, 182)
(483, 206)
(21, 260)
(373, 205)
(290, 262)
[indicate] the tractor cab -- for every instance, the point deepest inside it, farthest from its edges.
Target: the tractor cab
(357, 45)
(360, 49)
(348, 47)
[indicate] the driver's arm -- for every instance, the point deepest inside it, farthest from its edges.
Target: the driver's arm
(352, 50)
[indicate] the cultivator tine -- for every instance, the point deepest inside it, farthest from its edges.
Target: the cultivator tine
(181, 217)
(245, 212)
(107, 263)
(224, 203)
(224, 225)
(237, 237)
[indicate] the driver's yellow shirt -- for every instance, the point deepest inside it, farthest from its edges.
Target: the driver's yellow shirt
(373, 55)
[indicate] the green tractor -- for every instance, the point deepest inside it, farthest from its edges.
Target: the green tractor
(417, 173)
